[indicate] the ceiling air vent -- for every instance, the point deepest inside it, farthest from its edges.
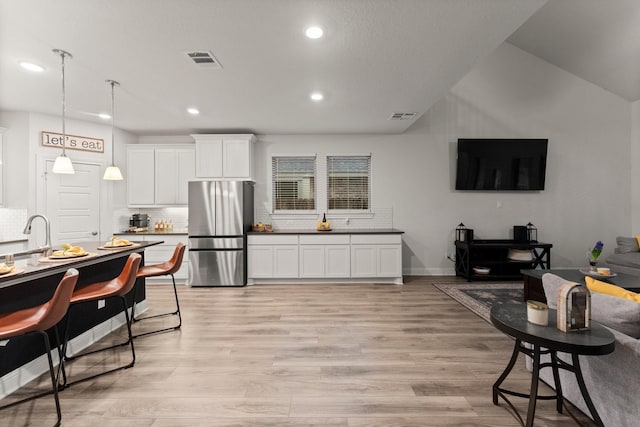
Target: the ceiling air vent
(402, 116)
(204, 59)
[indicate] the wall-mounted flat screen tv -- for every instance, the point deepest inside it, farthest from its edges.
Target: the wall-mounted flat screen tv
(501, 164)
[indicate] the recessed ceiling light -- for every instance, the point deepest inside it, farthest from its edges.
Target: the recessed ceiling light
(31, 66)
(317, 96)
(314, 32)
(104, 116)
(193, 111)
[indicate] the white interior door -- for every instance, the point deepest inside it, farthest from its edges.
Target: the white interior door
(73, 203)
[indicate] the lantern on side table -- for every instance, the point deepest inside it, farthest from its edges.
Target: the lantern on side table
(574, 307)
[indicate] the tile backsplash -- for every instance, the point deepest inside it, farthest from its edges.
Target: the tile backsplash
(12, 222)
(177, 215)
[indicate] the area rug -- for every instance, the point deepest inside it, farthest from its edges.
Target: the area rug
(480, 297)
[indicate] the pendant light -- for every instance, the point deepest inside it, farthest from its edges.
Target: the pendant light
(112, 173)
(63, 163)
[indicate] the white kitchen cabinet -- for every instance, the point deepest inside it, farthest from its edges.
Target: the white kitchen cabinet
(272, 256)
(324, 256)
(163, 252)
(140, 176)
(224, 156)
(159, 176)
(174, 168)
(376, 255)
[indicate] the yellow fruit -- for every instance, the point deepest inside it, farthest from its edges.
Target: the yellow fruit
(66, 246)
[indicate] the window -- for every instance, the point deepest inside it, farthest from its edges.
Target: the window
(294, 183)
(348, 182)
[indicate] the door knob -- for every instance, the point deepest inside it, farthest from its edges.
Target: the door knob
(94, 233)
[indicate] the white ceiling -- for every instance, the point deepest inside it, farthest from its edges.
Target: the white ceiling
(597, 40)
(378, 57)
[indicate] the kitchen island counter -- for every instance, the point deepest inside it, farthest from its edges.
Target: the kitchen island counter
(37, 266)
(22, 359)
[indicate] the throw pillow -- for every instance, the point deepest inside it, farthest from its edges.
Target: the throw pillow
(609, 289)
(614, 312)
(627, 244)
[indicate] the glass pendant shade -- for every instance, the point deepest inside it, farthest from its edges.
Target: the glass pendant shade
(63, 165)
(112, 173)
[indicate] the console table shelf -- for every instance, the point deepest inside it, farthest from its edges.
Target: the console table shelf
(493, 254)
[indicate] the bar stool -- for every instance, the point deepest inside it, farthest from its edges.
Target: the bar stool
(37, 320)
(164, 269)
(118, 287)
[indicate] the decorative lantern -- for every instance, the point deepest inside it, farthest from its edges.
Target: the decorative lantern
(574, 307)
(463, 233)
(532, 233)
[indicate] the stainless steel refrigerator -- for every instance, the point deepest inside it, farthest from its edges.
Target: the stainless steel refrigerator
(220, 214)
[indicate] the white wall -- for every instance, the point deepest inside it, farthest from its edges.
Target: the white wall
(509, 94)
(635, 170)
(24, 153)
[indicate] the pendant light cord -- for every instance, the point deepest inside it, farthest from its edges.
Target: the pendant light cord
(113, 121)
(113, 84)
(63, 54)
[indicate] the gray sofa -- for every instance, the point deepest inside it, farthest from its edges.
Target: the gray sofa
(626, 256)
(613, 380)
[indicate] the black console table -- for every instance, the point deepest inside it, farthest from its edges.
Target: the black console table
(493, 254)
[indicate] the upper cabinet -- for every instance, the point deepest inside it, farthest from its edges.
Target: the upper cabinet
(140, 176)
(173, 171)
(221, 156)
(159, 175)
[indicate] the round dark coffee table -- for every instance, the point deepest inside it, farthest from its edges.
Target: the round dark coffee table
(512, 320)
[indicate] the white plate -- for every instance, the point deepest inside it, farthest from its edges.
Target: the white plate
(596, 274)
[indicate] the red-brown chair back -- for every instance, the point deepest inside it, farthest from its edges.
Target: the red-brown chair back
(127, 277)
(54, 310)
(176, 259)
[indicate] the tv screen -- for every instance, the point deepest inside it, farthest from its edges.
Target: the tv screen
(501, 164)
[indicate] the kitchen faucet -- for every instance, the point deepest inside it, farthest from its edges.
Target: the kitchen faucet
(46, 249)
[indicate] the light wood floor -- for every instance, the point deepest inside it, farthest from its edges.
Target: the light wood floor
(302, 355)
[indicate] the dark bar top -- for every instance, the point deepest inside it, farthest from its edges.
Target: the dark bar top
(34, 268)
(177, 232)
(340, 231)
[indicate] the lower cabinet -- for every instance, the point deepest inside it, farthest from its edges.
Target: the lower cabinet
(325, 257)
(272, 256)
(376, 255)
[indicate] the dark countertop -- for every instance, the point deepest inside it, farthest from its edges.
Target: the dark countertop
(341, 231)
(152, 232)
(34, 268)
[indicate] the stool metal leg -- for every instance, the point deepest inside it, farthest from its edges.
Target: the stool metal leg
(70, 358)
(54, 382)
(176, 312)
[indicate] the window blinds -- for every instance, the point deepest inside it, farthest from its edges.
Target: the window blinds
(348, 182)
(293, 182)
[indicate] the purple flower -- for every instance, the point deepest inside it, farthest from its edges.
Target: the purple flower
(597, 249)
